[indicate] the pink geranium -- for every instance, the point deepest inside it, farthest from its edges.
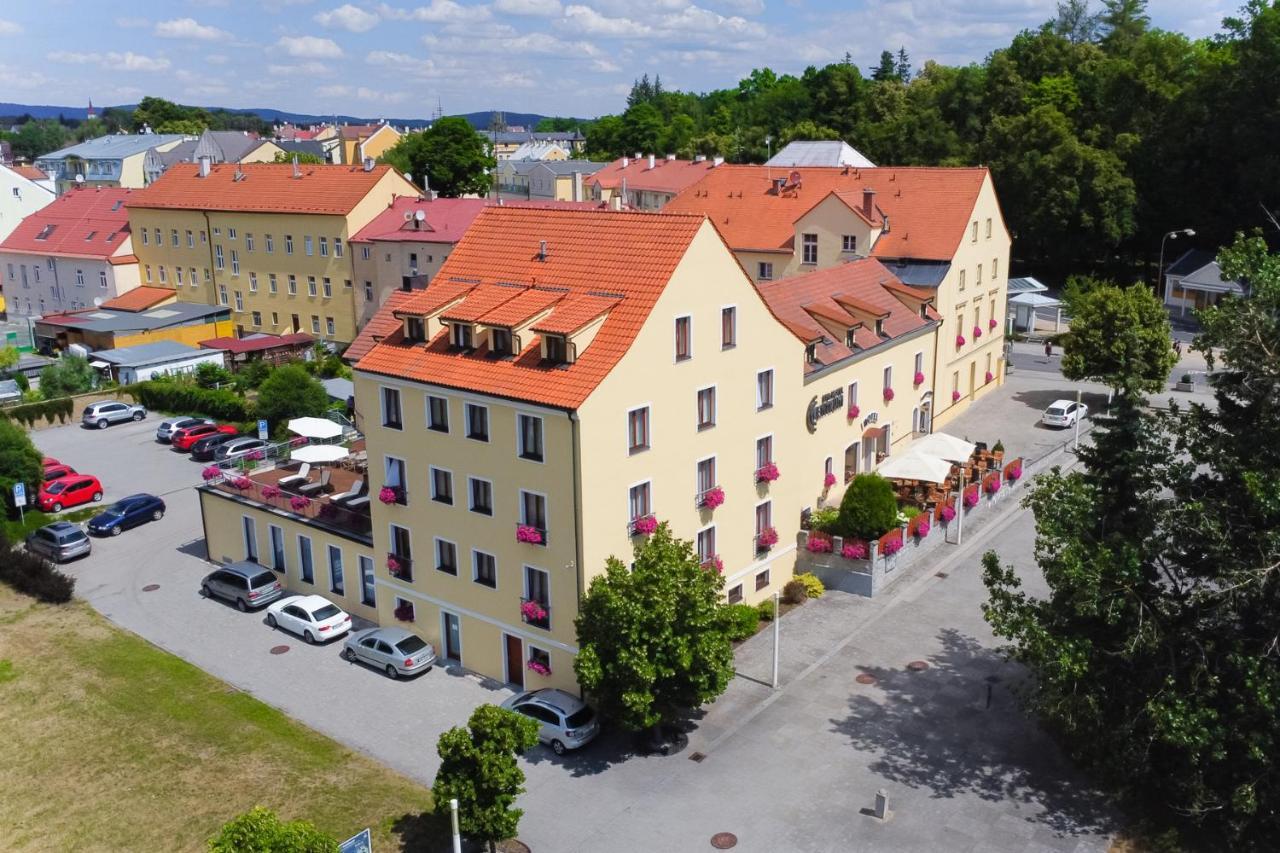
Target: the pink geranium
(992, 324)
(818, 544)
(539, 667)
(891, 547)
(767, 538)
(525, 533)
(955, 396)
(970, 499)
(212, 472)
(393, 564)
(948, 513)
(533, 611)
(854, 551)
(389, 494)
(404, 612)
(299, 502)
(918, 379)
(854, 411)
(977, 332)
(767, 473)
(1013, 473)
(714, 562)
(888, 395)
(960, 341)
(241, 482)
(990, 376)
(922, 529)
(271, 491)
(993, 485)
(829, 480)
(713, 497)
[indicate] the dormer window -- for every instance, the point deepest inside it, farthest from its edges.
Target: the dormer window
(848, 339)
(500, 341)
(811, 354)
(879, 328)
(461, 336)
(557, 349)
(415, 329)
(924, 311)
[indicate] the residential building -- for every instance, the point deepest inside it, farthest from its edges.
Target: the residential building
(119, 160)
(313, 147)
(220, 146)
(273, 349)
(539, 150)
(505, 143)
(938, 229)
(819, 153)
(404, 246)
(32, 173)
(147, 361)
(133, 322)
(359, 141)
(1195, 281)
(268, 241)
(72, 253)
(647, 183)
(20, 196)
(551, 180)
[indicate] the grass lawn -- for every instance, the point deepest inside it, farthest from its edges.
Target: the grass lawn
(33, 519)
(112, 744)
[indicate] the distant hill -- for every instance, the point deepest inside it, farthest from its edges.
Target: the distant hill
(479, 119)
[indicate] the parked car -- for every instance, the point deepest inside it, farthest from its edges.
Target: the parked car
(49, 460)
(566, 721)
(245, 584)
(57, 472)
(394, 650)
(238, 447)
(127, 512)
(102, 415)
(60, 541)
(164, 432)
(183, 439)
(57, 495)
(1064, 413)
(204, 448)
(314, 618)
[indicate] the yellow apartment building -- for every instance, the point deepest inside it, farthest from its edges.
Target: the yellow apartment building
(268, 241)
(937, 229)
(359, 141)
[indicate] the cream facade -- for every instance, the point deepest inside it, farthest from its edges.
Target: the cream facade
(381, 267)
(35, 285)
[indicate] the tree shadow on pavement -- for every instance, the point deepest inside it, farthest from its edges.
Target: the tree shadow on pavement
(614, 746)
(956, 730)
(1038, 401)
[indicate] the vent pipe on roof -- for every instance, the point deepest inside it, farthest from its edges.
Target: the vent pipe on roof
(368, 164)
(652, 161)
(717, 161)
(626, 161)
(297, 173)
(204, 165)
(542, 250)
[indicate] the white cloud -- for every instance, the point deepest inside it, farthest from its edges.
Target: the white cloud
(439, 12)
(189, 28)
(217, 59)
(585, 20)
(405, 64)
(695, 19)
(207, 90)
(516, 80)
(72, 57)
(364, 93)
(23, 79)
(535, 8)
(127, 61)
(310, 47)
(742, 7)
(9, 28)
(334, 91)
(348, 17)
(309, 69)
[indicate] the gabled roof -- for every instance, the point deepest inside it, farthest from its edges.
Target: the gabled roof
(160, 317)
(257, 343)
(445, 220)
(622, 257)
(82, 223)
(1026, 284)
(141, 298)
(864, 285)
(31, 173)
(819, 153)
(359, 131)
(114, 146)
(928, 208)
(264, 188)
(1190, 261)
(222, 146)
(668, 176)
(568, 167)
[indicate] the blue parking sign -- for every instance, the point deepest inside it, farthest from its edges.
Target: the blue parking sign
(19, 494)
(262, 429)
(362, 843)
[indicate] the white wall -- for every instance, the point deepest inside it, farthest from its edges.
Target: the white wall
(19, 198)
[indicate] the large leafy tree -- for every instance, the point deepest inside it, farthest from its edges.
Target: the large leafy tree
(19, 461)
(653, 641)
(290, 392)
(454, 158)
(1120, 337)
(70, 374)
(478, 768)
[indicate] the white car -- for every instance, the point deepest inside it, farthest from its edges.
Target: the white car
(1064, 413)
(312, 617)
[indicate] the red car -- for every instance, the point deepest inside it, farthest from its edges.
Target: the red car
(57, 472)
(69, 491)
(184, 438)
(49, 460)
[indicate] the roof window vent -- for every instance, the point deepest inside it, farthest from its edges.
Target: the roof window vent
(542, 250)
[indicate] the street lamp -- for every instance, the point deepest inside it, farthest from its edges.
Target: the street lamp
(1174, 234)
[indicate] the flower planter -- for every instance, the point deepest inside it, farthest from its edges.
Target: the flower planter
(828, 481)
(854, 551)
(854, 412)
(531, 535)
(712, 498)
(918, 379)
(766, 539)
(818, 543)
(767, 473)
(714, 563)
(888, 395)
(977, 332)
(539, 668)
(389, 495)
(960, 341)
(989, 376)
(955, 396)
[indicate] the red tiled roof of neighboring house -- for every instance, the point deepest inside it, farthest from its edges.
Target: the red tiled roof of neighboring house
(575, 312)
(667, 176)
(621, 256)
(928, 208)
(82, 223)
(445, 220)
(257, 343)
(264, 188)
(141, 298)
(865, 284)
(31, 173)
(358, 131)
(522, 308)
(120, 260)
(379, 326)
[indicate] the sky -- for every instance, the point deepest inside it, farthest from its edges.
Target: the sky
(557, 57)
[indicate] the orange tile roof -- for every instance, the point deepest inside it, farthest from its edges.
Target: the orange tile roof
(141, 298)
(624, 256)
(265, 188)
(31, 173)
(669, 176)
(575, 312)
(928, 208)
(865, 284)
(480, 301)
(530, 303)
(382, 324)
(82, 223)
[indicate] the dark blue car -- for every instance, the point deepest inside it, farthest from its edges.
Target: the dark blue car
(125, 513)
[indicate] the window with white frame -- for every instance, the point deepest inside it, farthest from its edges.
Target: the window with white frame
(324, 247)
(481, 495)
(441, 486)
(253, 281)
(638, 430)
(919, 362)
(248, 241)
(639, 500)
(705, 475)
(308, 246)
(460, 336)
(337, 247)
(762, 580)
(311, 285)
(102, 277)
(764, 451)
(888, 377)
(764, 271)
(391, 408)
(707, 544)
(764, 390)
(271, 244)
(849, 243)
(437, 413)
(337, 583)
(707, 408)
(218, 261)
(529, 435)
(288, 243)
(477, 418)
(684, 338)
(810, 248)
(728, 327)
(446, 557)
(533, 511)
(735, 594)
(484, 569)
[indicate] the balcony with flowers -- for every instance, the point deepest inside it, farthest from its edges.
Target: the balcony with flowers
(531, 535)
(400, 567)
(710, 498)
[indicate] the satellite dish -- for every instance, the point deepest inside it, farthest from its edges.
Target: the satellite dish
(79, 179)
(407, 216)
(420, 215)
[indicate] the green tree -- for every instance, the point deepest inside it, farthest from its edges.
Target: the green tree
(9, 357)
(886, 68)
(868, 509)
(210, 375)
(35, 138)
(301, 156)
(1075, 22)
(642, 129)
(69, 375)
(186, 126)
(1120, 337)
(478, 768)
(290, 392)
(259, 830)
(19, 461)
(1122, 22)
(653, 640)
(453, 157)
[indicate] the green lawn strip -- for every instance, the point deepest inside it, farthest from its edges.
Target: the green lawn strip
(33, 520)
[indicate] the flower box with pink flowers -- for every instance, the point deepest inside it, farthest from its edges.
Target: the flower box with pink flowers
(888, 395)
(918, 379)
(960, 341)
(389, 494)
(977, 332)
(712, 498)
(528, 534)
(819, 543)
(854, 411)
(828, 480)
(539, 667)
(644, 525)
(766, 539)
(989, 376)
(714, 562)
(854, 551)
(767, 473)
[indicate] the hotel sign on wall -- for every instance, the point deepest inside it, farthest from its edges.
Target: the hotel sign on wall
(832, 401)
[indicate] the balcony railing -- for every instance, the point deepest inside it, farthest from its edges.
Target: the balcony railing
(400, 567)
(536, 613)
(709, 498)
(531, 534)
(766, 539)
(321, 511)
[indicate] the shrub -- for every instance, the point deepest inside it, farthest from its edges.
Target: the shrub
(910, 511)
(743, 621)
(70, 374)
(824, 519)
(766, 610)
(33, 575)
(19, 462)
(998, 447)
(210, 375)
(795, 592)
(260, 830)
(290, 392)
(251, 375)
(868, 509)
(166, 395)
(28, 413)
(812, 585)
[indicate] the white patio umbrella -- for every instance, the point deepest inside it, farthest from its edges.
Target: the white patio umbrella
(320, 428)
(944, 446)
(318, 453)
(914, 465)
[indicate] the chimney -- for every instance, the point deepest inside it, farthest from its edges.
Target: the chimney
(868, 202)
(671, 156)
(368, 164)
(717, 161)
(639, 154)
(626, 161)
(204, 165)
(542, 250)
(577, 186)
(297, 173)
(615, 202)
(701, 158)
(651, 161)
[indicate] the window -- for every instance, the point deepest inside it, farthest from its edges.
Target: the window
(271, 244)
(446, 557)
(367, 594)
(919, 362)
(222, 294)
(239, 301)
(888, 377)
(218, 262)
(164, 276)
(638, 430)
(962, 279)
(955, 383)
(481, 495)
(500, 341)
(159, 239)
(484, 569)
(253, 282)
(173, 236)
(235, 262)
(329, 328)
(337, 247)
(764, 517)
(977, 316)
(288, 243)
(639, 500)
(277, 547)
(762, 580)
(204, 238)
(207, 277)
(764, 451)
(707, 544)
(305, 569)
(35, 270)
(557, 349)
(993, 310)
(764, 271)
(231, 233)
(988, 227)
(975, 230)
(707, 408)
(394, 478)
(684, 343)
(402, 548)
(257, 318)
(324, 247)
(437, 413)
(307, 245)
(364, 253)
(477, 422)
(529, 435)
(995, 268)
(764, 390)
(977, 279)
(441, 486)
(326, 287)
(728, 327)
(102, 276)
(460, 336)
(537, 587)
(706, 475)
(275, 318)
(849, 243)
(391, 408)
(368, 291)
(311, 285)
(248, 241)
(811, 354)
(44, 234)
(80, 277)
(533, 512)
(194, 282)
(272, 285)
(191, 240)
(735, 594)
(810, 244)
(337, 583)
(293, 285)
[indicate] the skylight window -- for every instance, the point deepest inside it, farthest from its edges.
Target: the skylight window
(119, 203)
(89, 236)
(45, 232)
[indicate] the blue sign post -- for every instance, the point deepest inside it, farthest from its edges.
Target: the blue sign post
(262, 429)
(362, 843)
(20, 499)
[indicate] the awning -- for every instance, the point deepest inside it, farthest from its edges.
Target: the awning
(318, 453)
(914, 465)
(944, 446)
(315, 428)
(101, 365)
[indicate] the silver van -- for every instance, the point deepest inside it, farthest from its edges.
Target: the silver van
(245, 584)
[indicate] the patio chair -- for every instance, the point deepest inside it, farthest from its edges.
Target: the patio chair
(304, 473)
(357, 488)
(318, 486)
(357, 503)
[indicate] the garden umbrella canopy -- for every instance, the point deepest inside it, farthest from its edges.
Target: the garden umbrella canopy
(944, 446)
(318, 453)
(314, 428)
(914, 465)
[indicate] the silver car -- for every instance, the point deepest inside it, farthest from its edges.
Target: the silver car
(164, 432)
(60, 541)
(103, 414)
(245, 584)
(238, 447)
(393, 650)
(565, 721)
